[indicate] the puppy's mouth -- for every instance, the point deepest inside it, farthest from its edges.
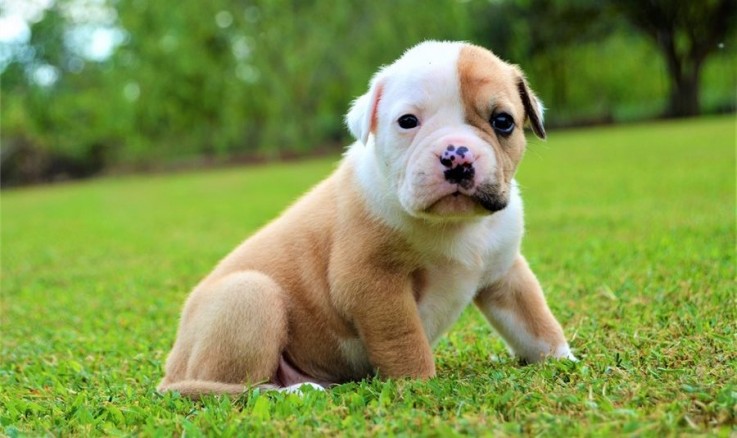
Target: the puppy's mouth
(491, 199)
(482, 201)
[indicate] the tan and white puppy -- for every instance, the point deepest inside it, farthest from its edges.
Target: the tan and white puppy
(363, 274)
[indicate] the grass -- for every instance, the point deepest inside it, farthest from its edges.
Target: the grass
(631, 230)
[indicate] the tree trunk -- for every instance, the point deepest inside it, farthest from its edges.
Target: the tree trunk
(684, 72)
(684, 94)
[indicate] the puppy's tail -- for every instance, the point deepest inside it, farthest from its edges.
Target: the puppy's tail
(195, 389)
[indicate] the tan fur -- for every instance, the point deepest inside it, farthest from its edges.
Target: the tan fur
(330, 292)
(490, 86)
(237, 321)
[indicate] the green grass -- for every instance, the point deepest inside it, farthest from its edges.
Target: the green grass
(631, 230)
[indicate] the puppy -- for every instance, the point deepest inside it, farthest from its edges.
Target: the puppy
(363, 274)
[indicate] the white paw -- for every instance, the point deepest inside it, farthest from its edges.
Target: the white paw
(298, 388)
(564, 352)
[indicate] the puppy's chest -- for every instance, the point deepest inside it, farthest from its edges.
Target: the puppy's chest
(442, 290)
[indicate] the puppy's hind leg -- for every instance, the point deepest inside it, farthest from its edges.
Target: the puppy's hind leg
(231, 335)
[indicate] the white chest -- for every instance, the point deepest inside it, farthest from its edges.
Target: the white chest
(448, 289)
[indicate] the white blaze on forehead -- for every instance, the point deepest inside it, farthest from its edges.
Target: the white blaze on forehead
(424, 79)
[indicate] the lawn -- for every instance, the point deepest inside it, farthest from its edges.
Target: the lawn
(631, 230)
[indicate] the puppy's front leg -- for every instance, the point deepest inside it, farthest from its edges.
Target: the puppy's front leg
(390, 327)
(516, 307)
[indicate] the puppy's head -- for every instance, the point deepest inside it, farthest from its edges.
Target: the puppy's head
(445, 122)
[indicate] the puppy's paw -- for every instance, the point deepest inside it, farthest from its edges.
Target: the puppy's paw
(551, 353)
(564, 352)
(301, 388)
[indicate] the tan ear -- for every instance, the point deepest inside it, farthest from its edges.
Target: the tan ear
(533, 107)
(361, 118)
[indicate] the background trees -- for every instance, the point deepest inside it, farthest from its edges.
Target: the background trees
(685, 33)
(228, 79)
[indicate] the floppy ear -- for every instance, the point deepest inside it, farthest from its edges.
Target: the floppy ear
(533, 107)
(361, 118)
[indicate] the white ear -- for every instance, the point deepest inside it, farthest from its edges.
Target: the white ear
(358, 118)
(361, 118)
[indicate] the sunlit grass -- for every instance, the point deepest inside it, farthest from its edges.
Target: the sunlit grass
(631, 230)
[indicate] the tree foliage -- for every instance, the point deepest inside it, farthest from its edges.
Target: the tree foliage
(228, 79)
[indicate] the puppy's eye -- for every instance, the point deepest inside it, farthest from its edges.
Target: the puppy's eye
(502, 123)
(408, 121)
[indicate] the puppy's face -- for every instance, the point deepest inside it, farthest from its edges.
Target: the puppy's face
(446, 124)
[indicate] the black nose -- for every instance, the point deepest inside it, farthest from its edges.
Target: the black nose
(459, 166)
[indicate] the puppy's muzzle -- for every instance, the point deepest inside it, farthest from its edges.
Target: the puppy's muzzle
(458, 162)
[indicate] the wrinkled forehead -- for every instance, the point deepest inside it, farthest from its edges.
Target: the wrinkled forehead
(434, 76)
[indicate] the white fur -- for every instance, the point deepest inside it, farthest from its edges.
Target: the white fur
(451, 287)
(426, 87)
(358, 118)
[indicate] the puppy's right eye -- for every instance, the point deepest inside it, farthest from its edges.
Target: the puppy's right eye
(408, 121)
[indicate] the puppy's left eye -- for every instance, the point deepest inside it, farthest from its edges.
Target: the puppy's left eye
(502, 123)
(408, 121)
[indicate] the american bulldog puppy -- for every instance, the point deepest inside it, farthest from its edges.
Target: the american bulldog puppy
(363, 274)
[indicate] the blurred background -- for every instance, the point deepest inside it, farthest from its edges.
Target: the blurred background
(105, 86)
